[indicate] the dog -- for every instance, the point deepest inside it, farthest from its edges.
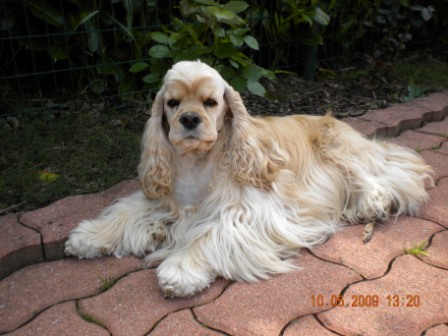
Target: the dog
(227, 194)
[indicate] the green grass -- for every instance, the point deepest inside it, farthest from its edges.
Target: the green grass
(433, 76)
(49, 157)
(418, 249)
(107, 282)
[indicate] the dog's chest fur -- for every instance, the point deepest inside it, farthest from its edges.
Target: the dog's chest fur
(192, 180)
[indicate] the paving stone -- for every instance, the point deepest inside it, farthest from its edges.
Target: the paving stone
(443, 148)
(438, 162)
(418, 141)
(399, 117)
(135, 304)
(440, 330)
(60, 320)
(265, 307)
(308, 326)
(20, 246)
(389, 240)
(438, 128)
(436, 102)
(180, 324)
(370, 129)
(437, 208)
(28, 291)
(438, 251)
(409, 282)
(55, 221)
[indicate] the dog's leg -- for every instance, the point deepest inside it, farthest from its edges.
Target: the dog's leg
(185, 273)
(131, 225)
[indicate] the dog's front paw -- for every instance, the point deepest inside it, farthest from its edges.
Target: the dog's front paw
(174, 281)
(80, 245)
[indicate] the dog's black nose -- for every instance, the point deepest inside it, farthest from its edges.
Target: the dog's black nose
(190, 120)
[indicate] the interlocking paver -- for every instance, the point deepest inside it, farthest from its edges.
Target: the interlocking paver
(370, 129)
(438, 162)
(399, 117)
(443, 148)
(436, 102)
(437, 208)
(180, 324)
(437, 253)
(60, 320)
(30, 290)
(410, 300)
(265, 307)
(372, 259)
(418, 141)
(55, 221)
(308, 326)
(440, 330)
(20, 246)
(438, 128)
(135, 304)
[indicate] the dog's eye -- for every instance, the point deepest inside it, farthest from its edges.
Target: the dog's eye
(210, 102)
(173, 103)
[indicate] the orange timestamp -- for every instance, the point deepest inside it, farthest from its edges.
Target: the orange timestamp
(360, 300)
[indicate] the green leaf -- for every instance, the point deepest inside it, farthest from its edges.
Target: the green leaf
(220, 14)
(122, 26)
(206, 2)
(252, 72)
(256, 88)
(159, 51)
(225, 50)
(58, 53)
(97, 86)
(236, 6)
(239, 83)
(219, 32)
(160, 37)
(236, 40)
(240, 31)
(251, 42)
(321, 17)
(84, 18)
(138, 67)
(45, 12)
(312, 39)
(151, 79)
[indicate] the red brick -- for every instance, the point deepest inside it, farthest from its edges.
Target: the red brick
(438, 128)
(34, 288)
(400, 117)
(370, 129)
(438, 162)
(418, 141)
(308, 326)
(265, 307)
(180, 324)
(440, 330)
(436, 102)
(135, 304)
(60, 320)
(443, 149)
(389, 240)
(55, 221)
(20, 246)
(437, 208)
(408, 276)
(437, 253)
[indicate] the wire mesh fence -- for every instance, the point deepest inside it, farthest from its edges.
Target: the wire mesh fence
(55, 50)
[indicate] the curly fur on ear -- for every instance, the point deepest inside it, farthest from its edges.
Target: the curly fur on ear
(156, 170)
(252, 156)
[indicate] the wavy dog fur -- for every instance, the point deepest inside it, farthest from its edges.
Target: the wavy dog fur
(227, 194)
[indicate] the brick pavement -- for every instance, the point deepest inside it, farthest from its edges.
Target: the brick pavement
(385, 291)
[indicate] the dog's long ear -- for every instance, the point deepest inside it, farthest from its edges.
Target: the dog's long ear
(253, 157)
(156, 170)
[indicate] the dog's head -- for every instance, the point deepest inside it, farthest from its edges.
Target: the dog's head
(193, 105)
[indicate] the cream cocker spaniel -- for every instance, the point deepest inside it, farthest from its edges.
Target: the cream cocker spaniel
(227, 194)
